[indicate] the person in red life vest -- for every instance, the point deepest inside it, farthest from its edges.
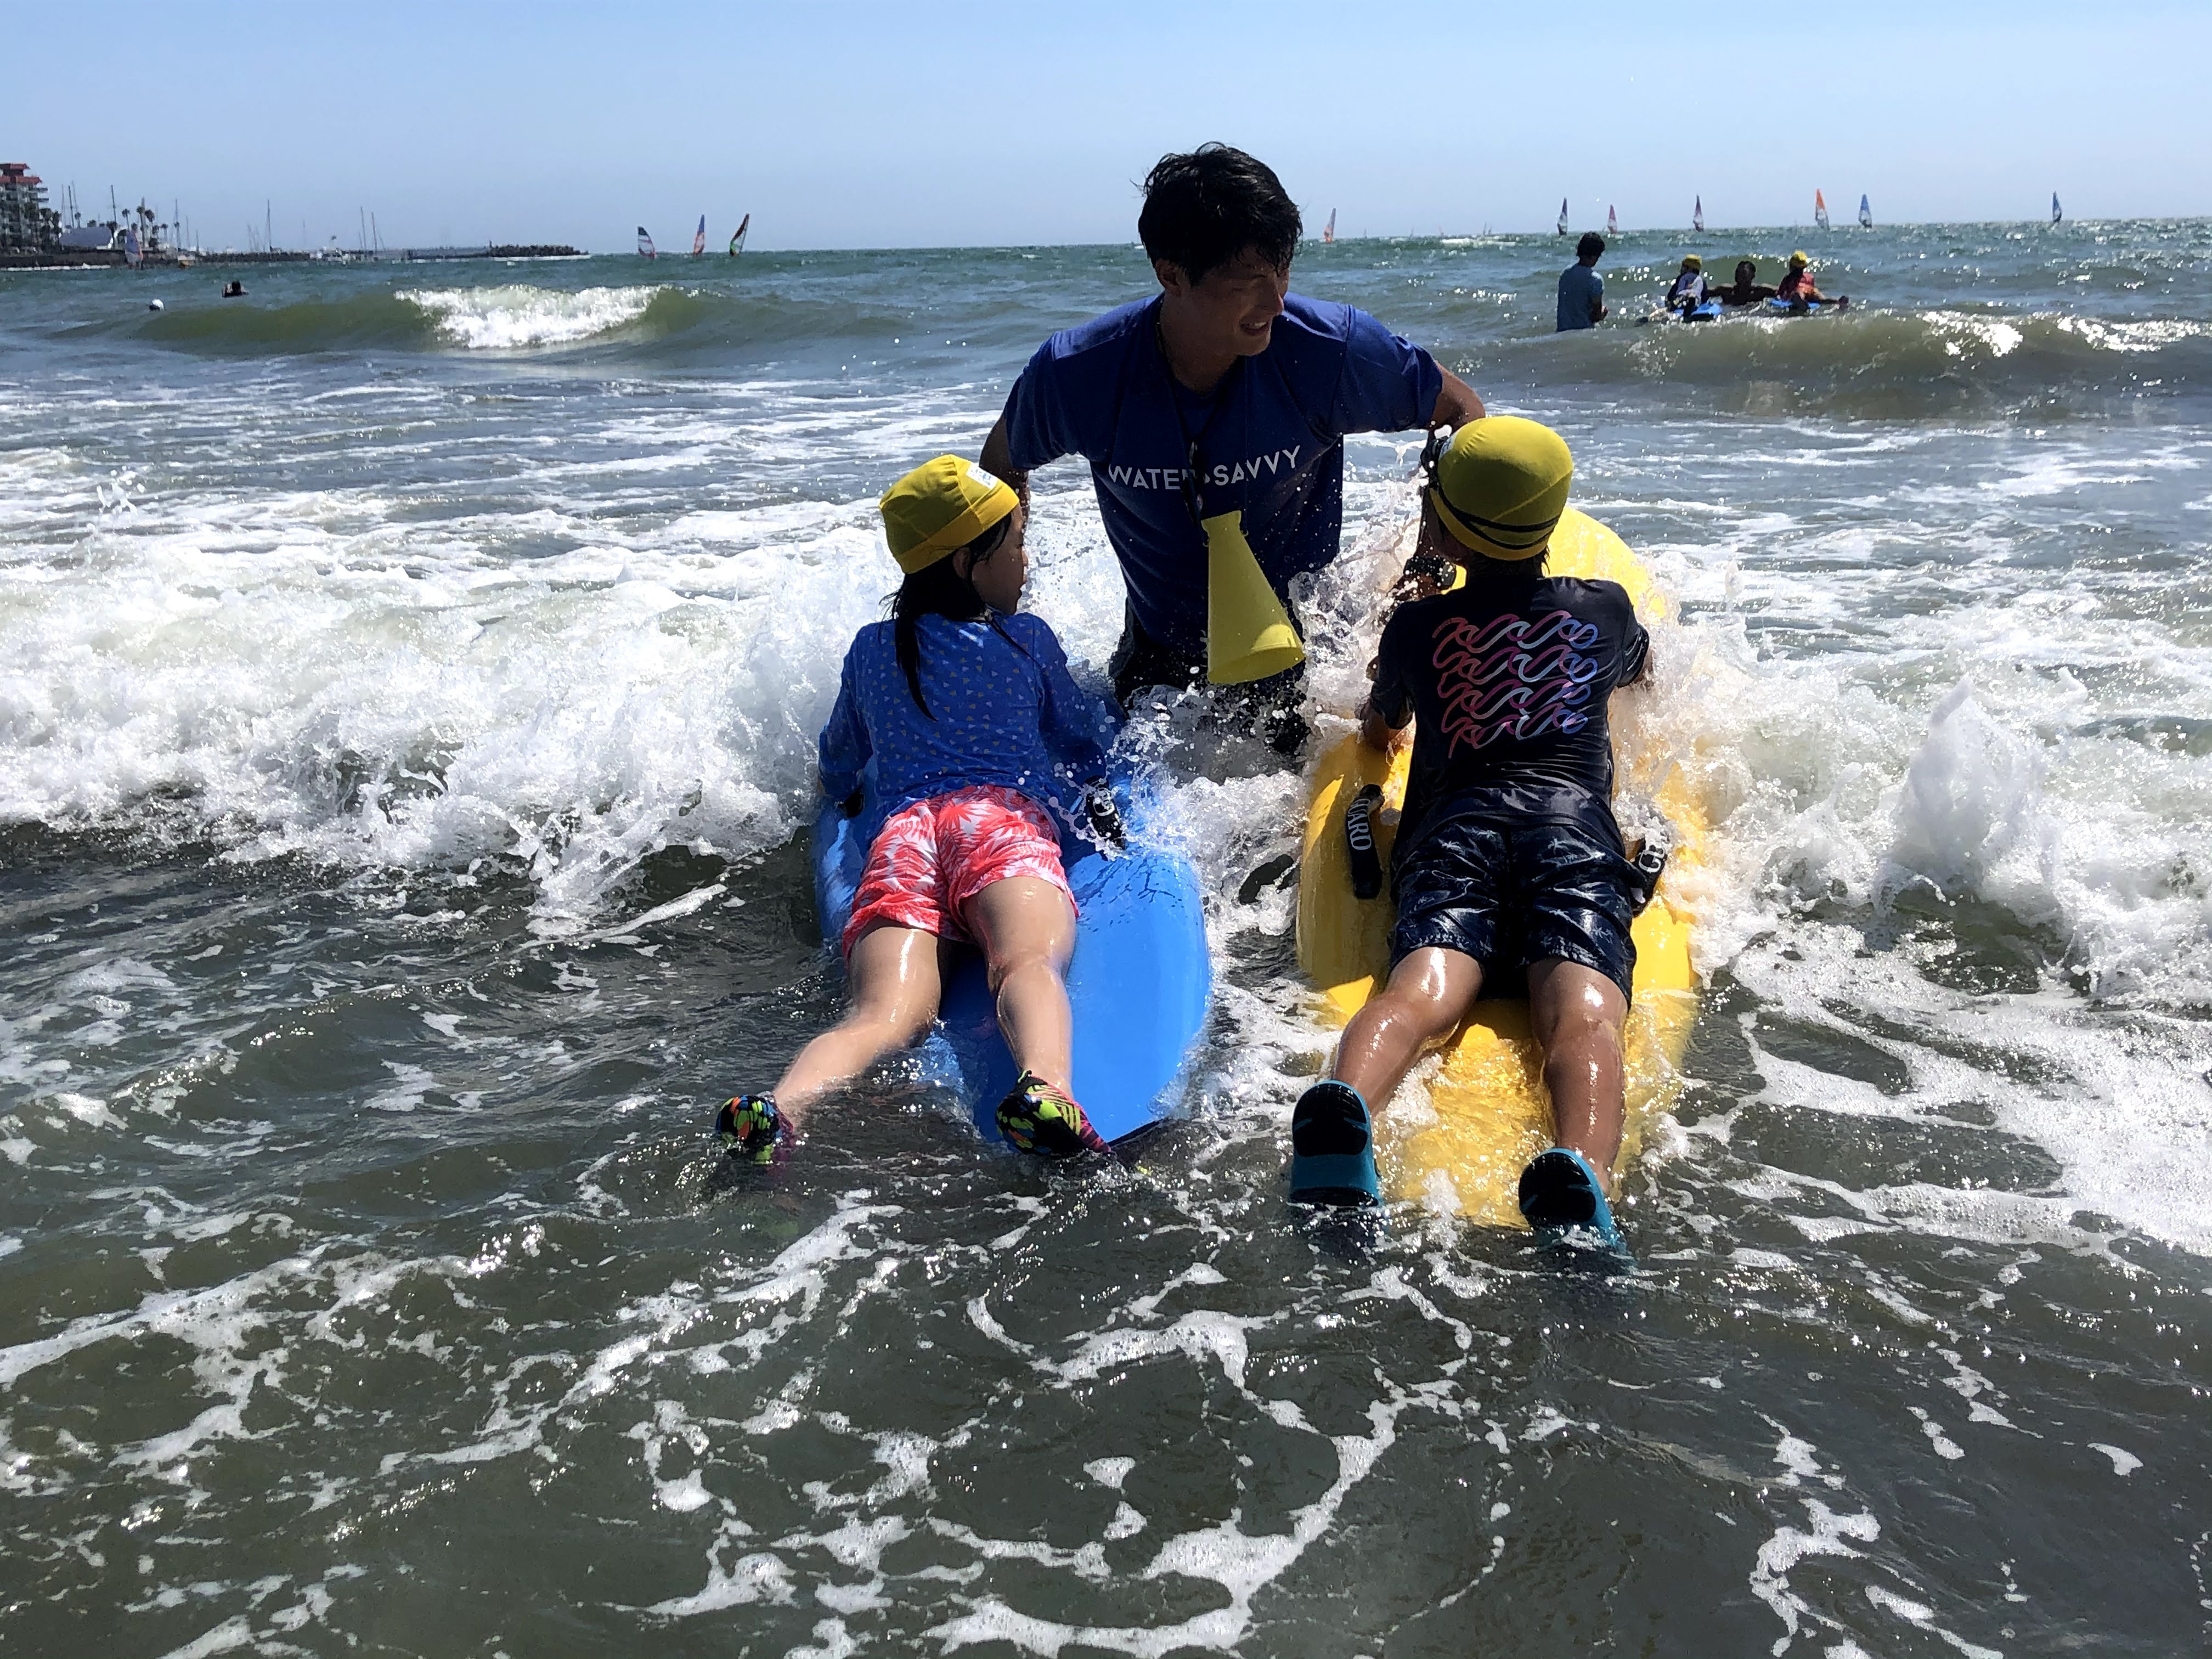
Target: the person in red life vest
(1798, 285)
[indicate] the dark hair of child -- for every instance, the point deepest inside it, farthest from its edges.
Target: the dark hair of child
(939, 589)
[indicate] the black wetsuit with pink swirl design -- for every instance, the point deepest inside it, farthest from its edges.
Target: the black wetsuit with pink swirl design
(1507, 851)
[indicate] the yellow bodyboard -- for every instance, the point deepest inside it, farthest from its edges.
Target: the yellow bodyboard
(1491, 1111)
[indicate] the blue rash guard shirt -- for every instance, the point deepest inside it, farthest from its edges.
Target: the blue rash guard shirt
(1580, 289)
(1006, 714)
(1269, 437)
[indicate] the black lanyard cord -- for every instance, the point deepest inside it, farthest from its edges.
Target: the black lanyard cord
(1193, 457)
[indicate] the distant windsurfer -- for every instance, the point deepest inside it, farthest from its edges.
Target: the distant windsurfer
(1582, 290)
(1213, 416)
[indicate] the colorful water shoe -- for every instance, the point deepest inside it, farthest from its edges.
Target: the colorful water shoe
(1562, 1200)
(750, 1127)
(1332, 1149)
(1042, 1119)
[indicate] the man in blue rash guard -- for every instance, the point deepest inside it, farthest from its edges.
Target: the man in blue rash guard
(1582, 290)
(1222, 393)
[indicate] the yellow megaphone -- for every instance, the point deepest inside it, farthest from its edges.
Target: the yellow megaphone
(1249, 635)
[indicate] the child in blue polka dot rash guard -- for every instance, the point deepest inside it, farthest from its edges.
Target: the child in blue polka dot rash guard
(983, 747)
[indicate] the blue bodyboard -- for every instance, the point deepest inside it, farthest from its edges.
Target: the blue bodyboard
(1798, 308)
(1708, 313)
(1138, 982)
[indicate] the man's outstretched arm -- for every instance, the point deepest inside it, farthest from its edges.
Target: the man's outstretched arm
(1456, 403)
(997, 460)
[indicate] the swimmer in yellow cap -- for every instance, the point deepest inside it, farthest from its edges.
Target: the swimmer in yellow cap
(1797, 286)
(1508, 869)
(981, 746)
(1689, 291)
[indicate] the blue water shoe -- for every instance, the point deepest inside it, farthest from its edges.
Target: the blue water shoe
(1332, 1149)
(1561, 1198)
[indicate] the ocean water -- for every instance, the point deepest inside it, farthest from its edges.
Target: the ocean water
(407, 683)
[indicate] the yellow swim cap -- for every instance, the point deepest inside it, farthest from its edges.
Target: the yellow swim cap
(1691, 262)
(941, 505)
(1501, 484)
(1799, 259)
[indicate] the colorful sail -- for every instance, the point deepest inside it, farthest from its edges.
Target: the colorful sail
(699, 238)
(2055, 215)
(1328, 230)
(1563, 216)
(737, 242)
(1820, 209)
(1697, 214)
(644, 243)
(1866, 213)
(1612, 224)
(132, 253)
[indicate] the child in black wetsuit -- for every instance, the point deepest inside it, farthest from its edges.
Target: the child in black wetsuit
(1508, 859)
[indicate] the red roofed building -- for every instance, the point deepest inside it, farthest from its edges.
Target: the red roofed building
(26, 223)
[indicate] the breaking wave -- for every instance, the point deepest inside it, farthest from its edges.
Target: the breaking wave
(512, 317)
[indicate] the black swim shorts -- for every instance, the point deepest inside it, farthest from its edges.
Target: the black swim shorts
(1512, 894)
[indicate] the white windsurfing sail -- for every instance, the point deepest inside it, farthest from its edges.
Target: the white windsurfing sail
(1612, 224)
(1820, 209)
(1866, 213)
(1697, 214)
(2055, 215)
(1328, 230)
(1563, 216)
(699, 238)
(737, 242)
(132, 251)
(644, 243)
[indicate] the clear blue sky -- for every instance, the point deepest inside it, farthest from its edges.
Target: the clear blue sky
(860, 124)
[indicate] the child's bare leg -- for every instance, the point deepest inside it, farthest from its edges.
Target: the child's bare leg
(1332, 1126)
(1026, 928)
(1578, 1015)
(896, 985)
(1429, 992)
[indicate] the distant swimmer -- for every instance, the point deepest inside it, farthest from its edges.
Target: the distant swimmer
(1582, 290)
(236, 290)
(1797, 286)
(1689, 290)
(1747, 289)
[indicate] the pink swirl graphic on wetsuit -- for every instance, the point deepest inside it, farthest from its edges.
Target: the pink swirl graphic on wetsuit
(1514, 677)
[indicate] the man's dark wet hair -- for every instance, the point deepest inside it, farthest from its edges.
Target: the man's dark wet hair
(1590, 247)
(1204, 209)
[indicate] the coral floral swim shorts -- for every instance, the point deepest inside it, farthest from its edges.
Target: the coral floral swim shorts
(931, 857)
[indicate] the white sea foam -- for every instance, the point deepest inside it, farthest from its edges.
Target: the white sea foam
(521, 315)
